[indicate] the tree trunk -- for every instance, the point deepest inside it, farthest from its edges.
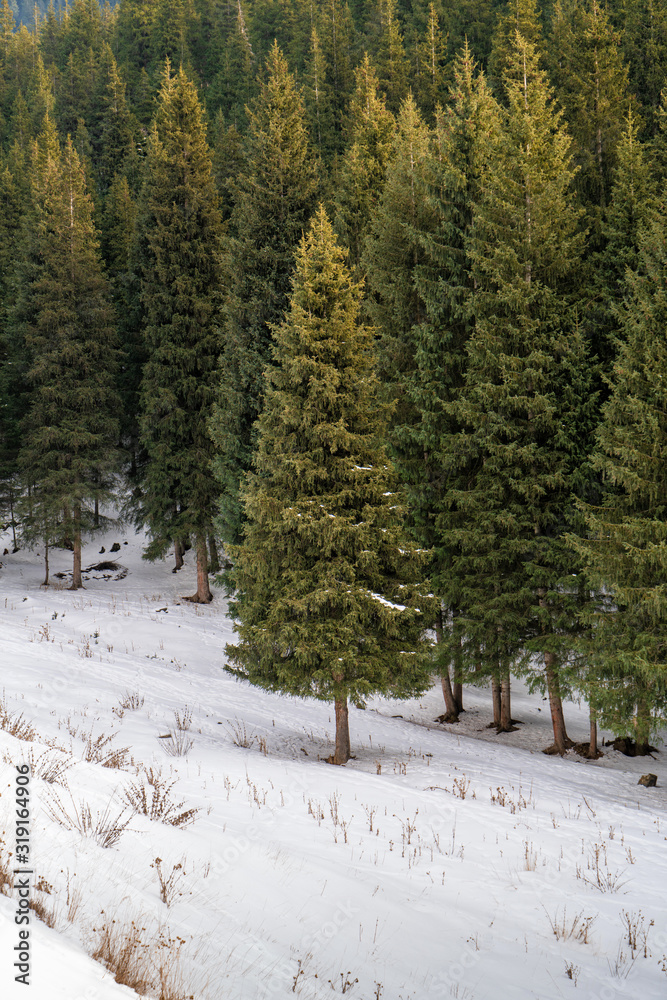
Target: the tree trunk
(562, 742)
(495, 693)
(642, 728)
(593, 753)
(77, 582)
(11, 511)
(450, 715)
(214, 561)
(341, 754)
(96, 516)
(458, 668)
(178, 555)
(505, 702)
(203, 595)
(46, 563)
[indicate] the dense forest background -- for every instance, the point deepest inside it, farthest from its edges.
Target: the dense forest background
(379, 280)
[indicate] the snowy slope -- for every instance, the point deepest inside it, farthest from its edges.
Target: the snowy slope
(435, 864)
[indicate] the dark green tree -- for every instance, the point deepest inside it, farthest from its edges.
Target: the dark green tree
(525, 406)
(371, 132)
(64, 320)
(591, 83)
(624, 545)
(631, 208)
(465, 134)
(274, 198)
(326, 604)
(180, 258)
(517, 15)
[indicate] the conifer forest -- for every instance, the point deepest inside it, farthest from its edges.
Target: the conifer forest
(365, 304)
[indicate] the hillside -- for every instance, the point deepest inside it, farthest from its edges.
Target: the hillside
(439, 862)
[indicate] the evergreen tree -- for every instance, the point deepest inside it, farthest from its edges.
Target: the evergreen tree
(326, 604)
(320, 101)
(389, 54)
(644, 43)
(64, 320)
(518, 15)
(465, 134)
(274, 198)
(631, 208)
(118, 242)
(180, 254)
(371, 130)
(525, 405)
(431, 64)
(591, 83)
(625, 542)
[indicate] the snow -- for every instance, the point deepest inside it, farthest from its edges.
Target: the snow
(388, 604)
(432, 865)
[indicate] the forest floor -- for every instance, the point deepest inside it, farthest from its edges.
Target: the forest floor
(443, 861)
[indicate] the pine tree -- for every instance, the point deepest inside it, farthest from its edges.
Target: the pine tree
(431, 64)
(371, 130)
(335, 30)
(643, 25)
(389, 53)
(180, 247)
(12, 383)
(525, 405)
(118, 243)
(64, 319)
(393, 255)
(518, 15)
(466, 132)
(625, 542)
(591, 83)
(325, 600)
(320, 101)
(274, 197)
(631, 208)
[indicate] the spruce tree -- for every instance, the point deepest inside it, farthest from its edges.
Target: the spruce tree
(465, 133)
(180, 248)
(632, 206)
(518, 15)
(64, 319)
(525, 406)
(591, 83)
(390, 59)
(431, 64)
(371, 129)
(624, 545)
(274, 198)
(325, 603)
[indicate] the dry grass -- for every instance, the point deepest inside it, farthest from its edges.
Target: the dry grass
(48, 915)
(6, 877)
(183, 720)
(149, 962)
(151, 796)
(100, 751)
(15, 724)
(169, 884)
(132, 700)
(177, 744)
(240, 736)
(577, 928)
(105, 828)
(50, 766)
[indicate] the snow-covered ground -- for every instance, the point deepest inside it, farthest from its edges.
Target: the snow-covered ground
(440, 862)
